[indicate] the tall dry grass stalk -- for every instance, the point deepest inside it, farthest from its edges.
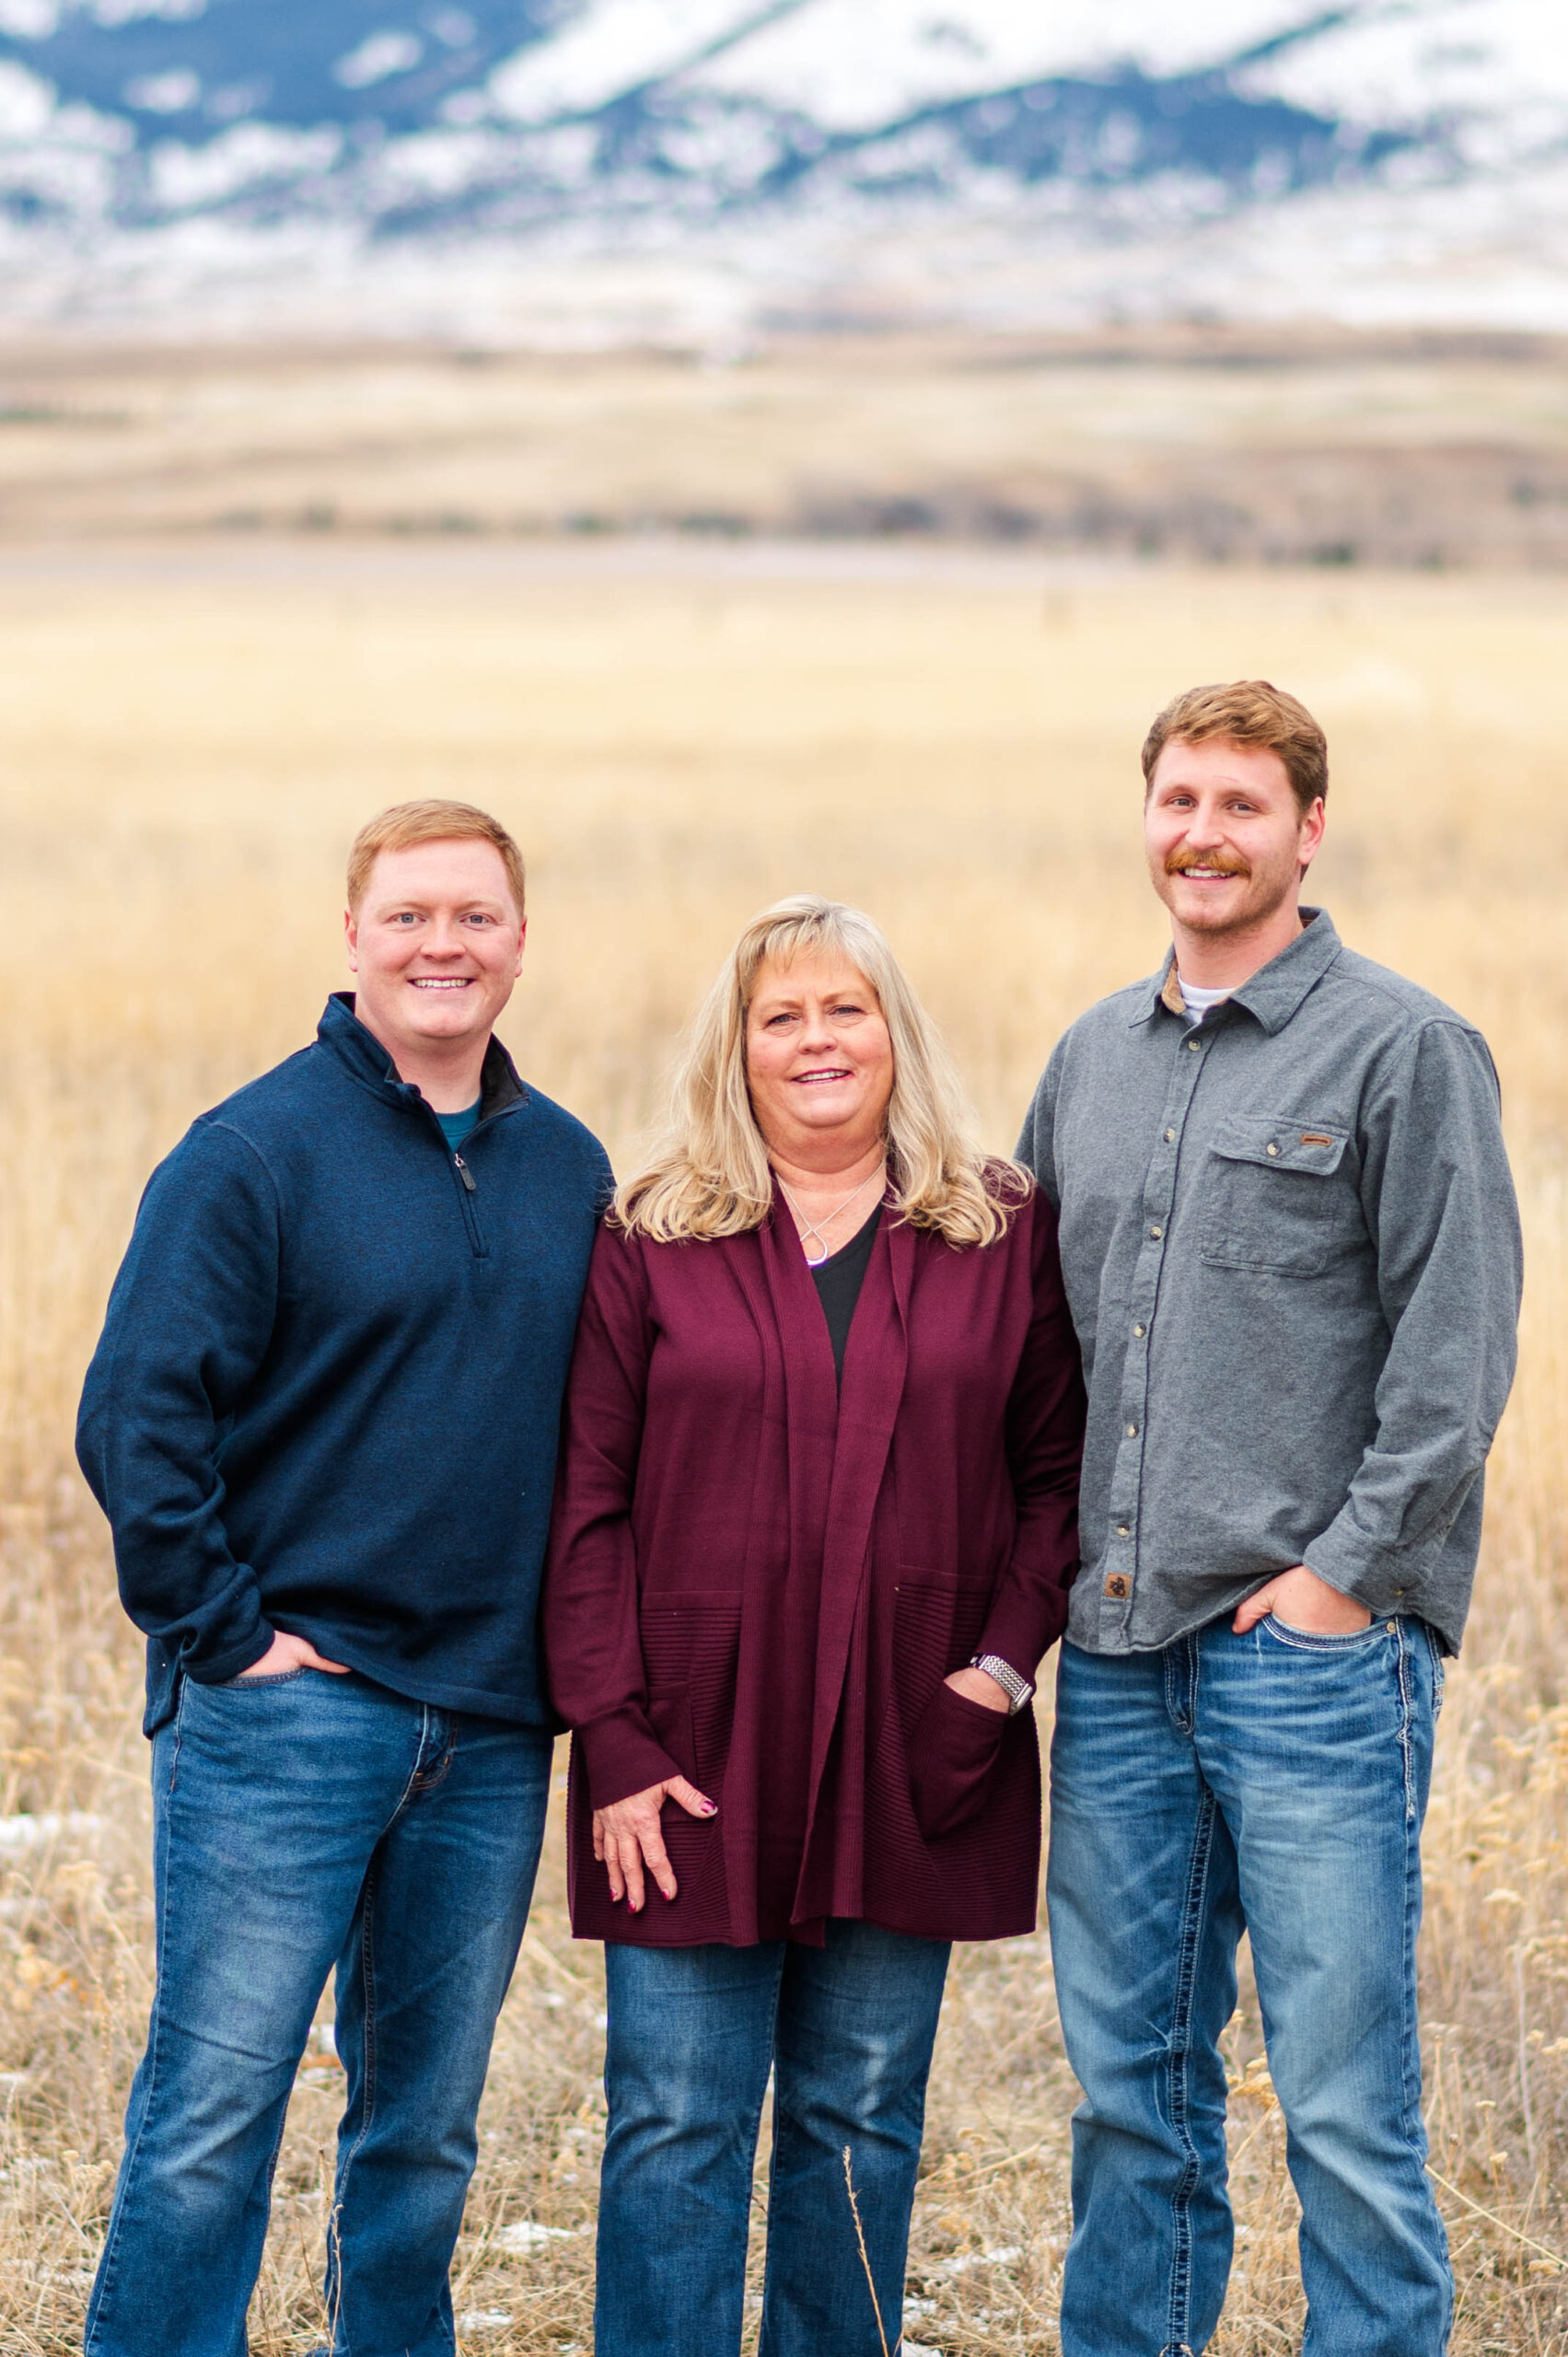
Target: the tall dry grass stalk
(186, 755)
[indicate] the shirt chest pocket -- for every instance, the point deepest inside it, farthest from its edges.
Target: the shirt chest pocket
(1279, 1197)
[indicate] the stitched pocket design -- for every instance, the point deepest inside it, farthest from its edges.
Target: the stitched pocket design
(690, 1646)
(936, 1627)
(1321, 1641)
(1279, 1196)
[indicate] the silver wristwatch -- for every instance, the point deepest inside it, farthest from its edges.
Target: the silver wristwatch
(1017, 1690)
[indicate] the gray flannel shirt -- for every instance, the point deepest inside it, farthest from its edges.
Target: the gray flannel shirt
(1291, 1251)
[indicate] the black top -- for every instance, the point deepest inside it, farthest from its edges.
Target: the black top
(839, 1280)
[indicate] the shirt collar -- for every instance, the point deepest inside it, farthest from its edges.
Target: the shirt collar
(341, 1030)
(1273, 994)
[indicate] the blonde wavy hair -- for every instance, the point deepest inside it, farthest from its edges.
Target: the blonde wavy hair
(708, 1174)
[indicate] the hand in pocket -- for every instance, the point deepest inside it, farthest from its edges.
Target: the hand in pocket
(953, 1747)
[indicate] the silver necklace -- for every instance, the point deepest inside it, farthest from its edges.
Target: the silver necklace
(815, 1226)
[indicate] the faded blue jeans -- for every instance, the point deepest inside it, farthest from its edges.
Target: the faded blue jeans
(305, 1822)
(847, 2029)
(1275, 1784)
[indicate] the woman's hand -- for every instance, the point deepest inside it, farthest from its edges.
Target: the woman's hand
(979, 1686)
(627, 1834)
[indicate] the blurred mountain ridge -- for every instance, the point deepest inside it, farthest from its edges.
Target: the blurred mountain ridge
(742, 160)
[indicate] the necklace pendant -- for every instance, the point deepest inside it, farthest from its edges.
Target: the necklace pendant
(811, 1229)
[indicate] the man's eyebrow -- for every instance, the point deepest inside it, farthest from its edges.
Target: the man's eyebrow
(412, 900)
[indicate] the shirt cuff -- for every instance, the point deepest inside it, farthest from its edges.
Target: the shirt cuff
(1386, 1579)
(1017, 1632)
(239, 1654)
(623, 1755)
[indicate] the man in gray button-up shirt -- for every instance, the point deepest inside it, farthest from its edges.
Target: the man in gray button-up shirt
(1292, 1252)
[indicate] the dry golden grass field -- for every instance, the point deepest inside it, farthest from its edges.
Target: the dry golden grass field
(191, 733)
(1398, 449)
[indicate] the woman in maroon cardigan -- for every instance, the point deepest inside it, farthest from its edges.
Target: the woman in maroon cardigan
(815, 1528)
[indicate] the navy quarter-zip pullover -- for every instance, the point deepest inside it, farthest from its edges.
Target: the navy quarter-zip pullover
(327, 1393)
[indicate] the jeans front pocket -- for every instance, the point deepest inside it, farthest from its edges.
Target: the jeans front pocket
(1321, 1641)
(243, 1684)
(1278, 1198)
(1439, 1669)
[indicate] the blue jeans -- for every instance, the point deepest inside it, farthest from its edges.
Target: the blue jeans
(848, 2030)
(300, 1822)
(1274, 1783)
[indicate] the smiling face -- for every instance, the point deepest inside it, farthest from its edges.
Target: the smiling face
(1227, 840)
(818, 1059)
(435, 944)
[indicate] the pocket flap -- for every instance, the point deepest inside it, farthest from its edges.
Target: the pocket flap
(1281, 1143)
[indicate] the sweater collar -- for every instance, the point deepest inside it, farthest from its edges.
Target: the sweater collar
(342, 1034)
(1273, 994)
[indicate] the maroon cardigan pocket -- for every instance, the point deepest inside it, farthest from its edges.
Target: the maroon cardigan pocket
(953, 1747)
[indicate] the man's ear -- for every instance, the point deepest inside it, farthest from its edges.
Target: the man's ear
(351, 936)
(522, 937)
(1312, 825)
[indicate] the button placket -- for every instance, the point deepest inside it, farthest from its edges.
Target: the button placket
(1160, 1198)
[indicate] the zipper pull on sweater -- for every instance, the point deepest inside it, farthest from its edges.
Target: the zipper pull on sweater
(465, 1173)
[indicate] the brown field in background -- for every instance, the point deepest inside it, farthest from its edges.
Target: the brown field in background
(189, 735)
(1282, 446)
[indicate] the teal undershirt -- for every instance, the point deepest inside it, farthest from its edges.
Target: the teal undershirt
(455, 1127)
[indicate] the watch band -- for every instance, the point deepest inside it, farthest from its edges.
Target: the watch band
(1017, 1690)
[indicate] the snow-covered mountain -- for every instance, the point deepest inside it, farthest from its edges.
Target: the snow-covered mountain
(1019, 160)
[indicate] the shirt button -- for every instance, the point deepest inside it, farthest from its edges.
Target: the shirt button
(1170, 1137)
(1124, 1530)
(1139, 1330)
(1272, 1147)
(1157, 1233)
(1193, 1045)
(1131, 1432)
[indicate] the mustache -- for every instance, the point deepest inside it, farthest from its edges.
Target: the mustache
(1224, 862)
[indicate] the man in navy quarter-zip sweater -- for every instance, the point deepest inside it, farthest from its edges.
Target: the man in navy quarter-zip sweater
(322, 1421)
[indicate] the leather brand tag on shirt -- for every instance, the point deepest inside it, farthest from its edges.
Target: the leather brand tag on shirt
(1314, 1137)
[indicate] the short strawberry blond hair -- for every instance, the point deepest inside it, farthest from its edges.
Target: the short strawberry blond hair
(1252, 713)
(407, 823)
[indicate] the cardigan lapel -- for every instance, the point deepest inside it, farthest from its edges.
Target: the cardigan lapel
(837, 1441)
(874, 1365)
(810, 1402)
(794, 1428)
